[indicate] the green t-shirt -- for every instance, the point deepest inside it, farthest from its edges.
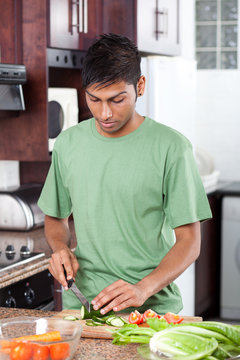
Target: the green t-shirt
(127, 194)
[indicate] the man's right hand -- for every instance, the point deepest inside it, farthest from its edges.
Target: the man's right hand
(63, 256)
(58, 237)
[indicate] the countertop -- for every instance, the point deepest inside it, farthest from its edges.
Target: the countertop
(88, 349)
(36, 242)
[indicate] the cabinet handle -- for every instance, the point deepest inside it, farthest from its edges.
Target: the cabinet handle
(79, 5)
(80, 15)
(161, 21)
(85, 19)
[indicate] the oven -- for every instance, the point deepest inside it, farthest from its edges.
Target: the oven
(33, 292)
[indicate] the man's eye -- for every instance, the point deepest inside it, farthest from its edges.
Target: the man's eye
(117, 101)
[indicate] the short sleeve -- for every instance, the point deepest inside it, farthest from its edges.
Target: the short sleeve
(185, 200)
(55, 199)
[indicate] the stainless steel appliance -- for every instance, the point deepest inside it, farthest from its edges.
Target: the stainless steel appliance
(34, 292)
(12, 77)
(19, 209)
(230, 253)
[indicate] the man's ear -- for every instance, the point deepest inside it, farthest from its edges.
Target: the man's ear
(141, 85)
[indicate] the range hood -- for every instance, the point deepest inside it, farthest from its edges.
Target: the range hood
(11, 79)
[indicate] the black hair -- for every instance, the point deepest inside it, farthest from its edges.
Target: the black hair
(112, 58)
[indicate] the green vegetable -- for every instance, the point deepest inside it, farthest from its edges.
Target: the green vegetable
(89, 315)
(132, 333)
(189, 341)
(203, 332)
(224, 351)
(98, 319)
(115, 321)
(181, 344)
(158, 324)
(112, 320)
(89, 322)
(71, 318)
(231, 332)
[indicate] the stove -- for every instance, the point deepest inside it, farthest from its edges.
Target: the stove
(15, 253)
(33, 292)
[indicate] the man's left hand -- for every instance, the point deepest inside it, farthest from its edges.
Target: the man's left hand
(119, 296)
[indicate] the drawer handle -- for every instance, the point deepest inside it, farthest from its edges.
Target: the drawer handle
(161, 21)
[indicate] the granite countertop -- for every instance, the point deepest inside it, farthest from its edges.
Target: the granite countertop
(88, 349)
(35, 240)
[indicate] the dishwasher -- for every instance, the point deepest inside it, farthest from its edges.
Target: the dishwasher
(230, 253)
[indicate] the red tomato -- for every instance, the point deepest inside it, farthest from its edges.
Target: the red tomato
(172, 318)
(40, 352)
(135, 317)
(149, 314)
(21, 351)
(59, 351)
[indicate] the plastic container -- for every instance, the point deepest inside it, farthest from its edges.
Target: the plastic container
(13, 328)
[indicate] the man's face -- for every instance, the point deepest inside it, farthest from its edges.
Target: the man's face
(113, 108)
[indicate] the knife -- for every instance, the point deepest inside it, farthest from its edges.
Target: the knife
(71, 285)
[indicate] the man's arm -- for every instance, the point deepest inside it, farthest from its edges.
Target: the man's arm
(121, 295)
(58, 237)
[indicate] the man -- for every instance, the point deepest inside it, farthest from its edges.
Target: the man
(133, 188)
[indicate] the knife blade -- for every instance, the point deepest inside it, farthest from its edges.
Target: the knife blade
(77, 292)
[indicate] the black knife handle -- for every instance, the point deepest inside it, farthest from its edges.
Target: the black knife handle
(69, 282)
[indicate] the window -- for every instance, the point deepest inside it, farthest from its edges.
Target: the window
(217, 34)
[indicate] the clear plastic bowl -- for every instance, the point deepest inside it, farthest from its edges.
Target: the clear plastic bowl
(13, 328)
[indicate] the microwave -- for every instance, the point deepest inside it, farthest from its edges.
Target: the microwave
(62, 112)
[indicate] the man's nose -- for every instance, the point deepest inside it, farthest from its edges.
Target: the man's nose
(106, 111)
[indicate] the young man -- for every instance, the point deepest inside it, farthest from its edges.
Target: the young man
(133, 188)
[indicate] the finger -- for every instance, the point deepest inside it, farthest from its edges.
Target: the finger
(106, 291)
(75, 265)
(124, 305)
(66, 260)
(110, 296)
(51, 270)
(116, 303)
(57, 262)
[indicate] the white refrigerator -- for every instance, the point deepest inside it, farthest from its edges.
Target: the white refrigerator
(170, 98)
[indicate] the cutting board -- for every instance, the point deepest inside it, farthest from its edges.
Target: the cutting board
(102, 332)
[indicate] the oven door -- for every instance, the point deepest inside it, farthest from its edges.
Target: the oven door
(34, 292)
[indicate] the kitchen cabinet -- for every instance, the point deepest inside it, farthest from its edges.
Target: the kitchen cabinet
(158, 26)
(207, 267)
(32, 29)
(23, 134)
(75, 24)
(11, 36)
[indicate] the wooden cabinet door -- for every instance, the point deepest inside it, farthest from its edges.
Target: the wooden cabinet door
(119, 17)
(10, 30)
(158, 26)
(62, 24)
(72, 24)
(23, 134)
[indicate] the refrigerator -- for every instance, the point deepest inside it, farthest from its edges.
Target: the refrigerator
(170, 98)
(170, 94)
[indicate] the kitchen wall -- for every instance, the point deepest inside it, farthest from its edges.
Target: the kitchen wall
(218, 119)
